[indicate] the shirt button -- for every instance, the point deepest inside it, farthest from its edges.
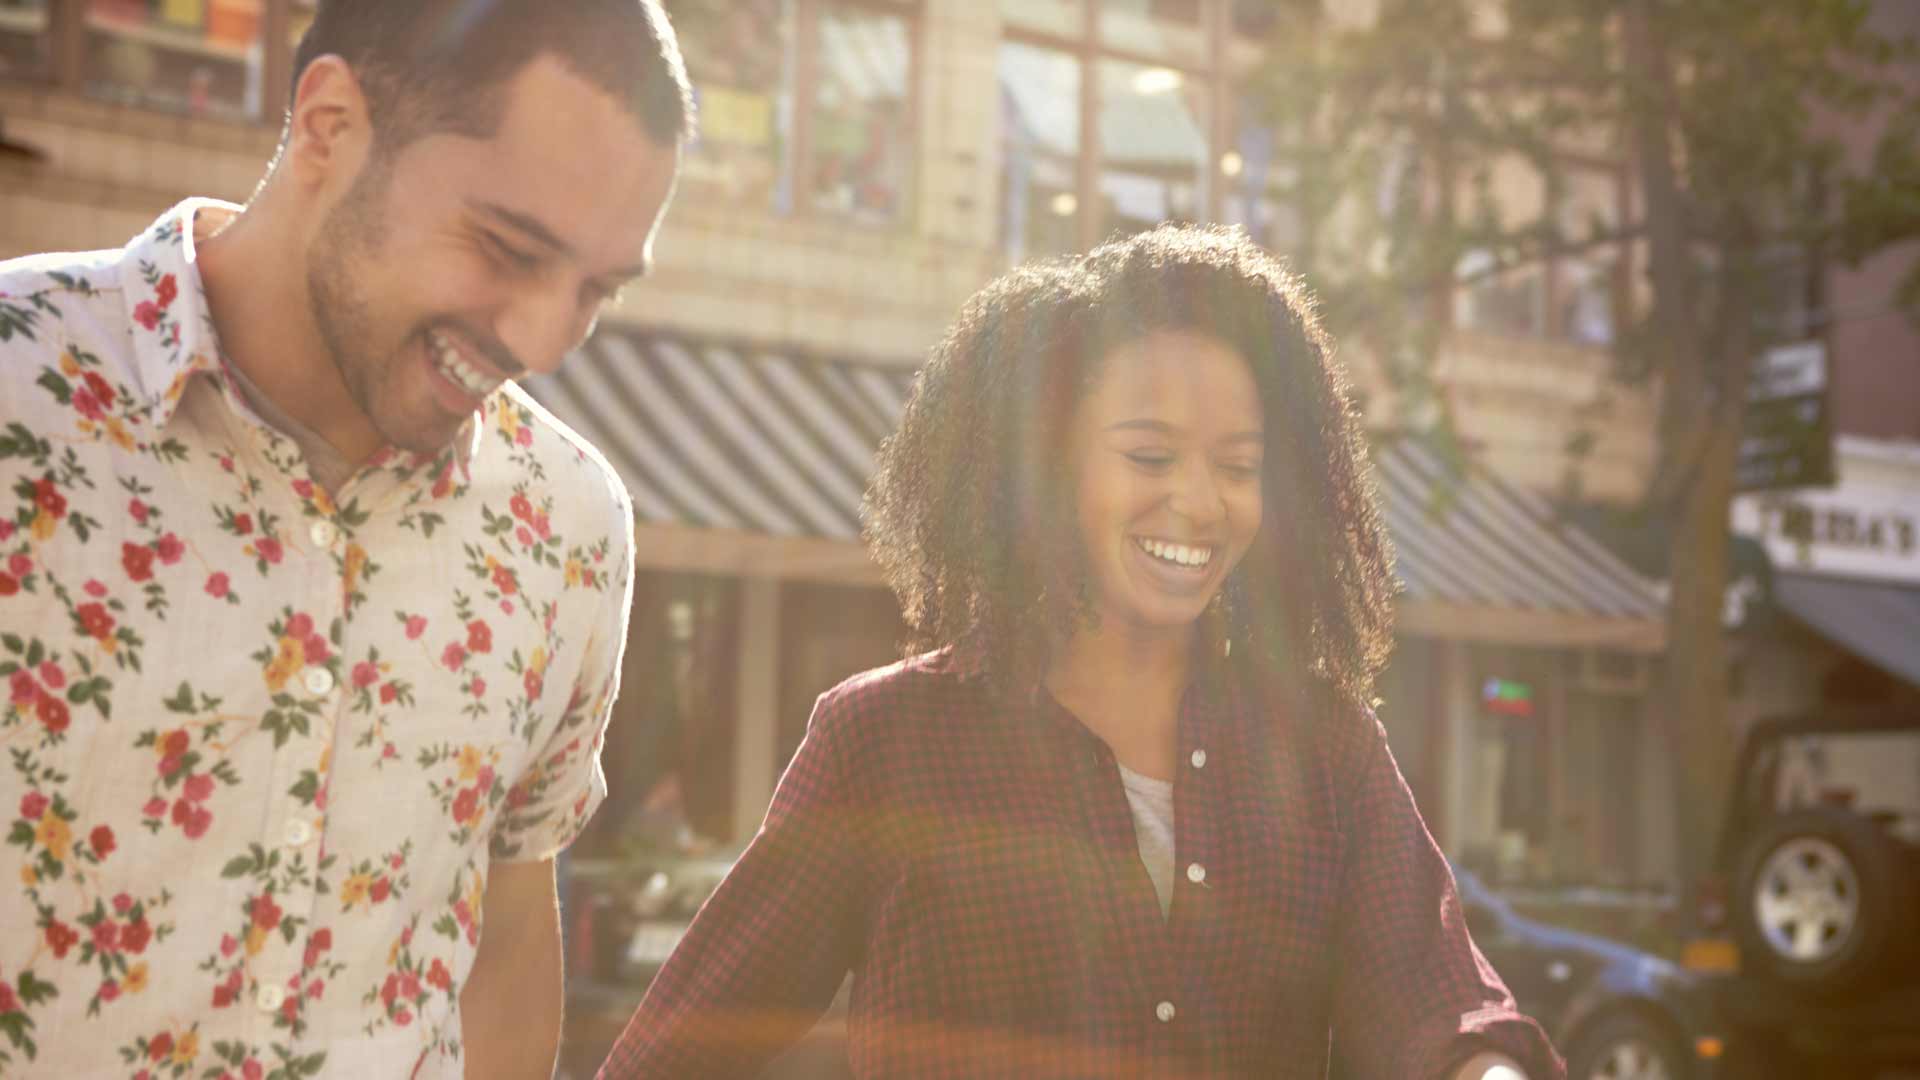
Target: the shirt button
(323, 534)
(1196, 873)
(298, 833)
(270, 998)
(1165, 1011)
(1199, 759)
(319, 680)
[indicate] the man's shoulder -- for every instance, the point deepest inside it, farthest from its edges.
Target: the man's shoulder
(522, 436)
(45, 283)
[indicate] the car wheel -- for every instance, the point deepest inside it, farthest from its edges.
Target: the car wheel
(1820, 895)
(1625, 1046)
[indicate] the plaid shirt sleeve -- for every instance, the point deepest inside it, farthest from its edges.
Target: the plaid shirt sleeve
(766, 954)
(1413, 996)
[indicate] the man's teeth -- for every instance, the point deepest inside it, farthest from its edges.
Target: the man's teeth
(454, 367)
(1177, 553)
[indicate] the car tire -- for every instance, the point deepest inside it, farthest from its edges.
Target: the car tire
(1626, 1046)
(1821, 902)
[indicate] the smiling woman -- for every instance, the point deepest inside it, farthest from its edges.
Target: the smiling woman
(1083, 834)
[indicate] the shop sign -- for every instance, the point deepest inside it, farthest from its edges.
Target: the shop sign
(1786, 439)
(1504, 697)
(1850, 531)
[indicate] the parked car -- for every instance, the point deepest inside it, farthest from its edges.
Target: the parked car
(1614, 1011)
(1813, 914)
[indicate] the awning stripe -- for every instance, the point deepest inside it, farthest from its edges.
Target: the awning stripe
(710, 436)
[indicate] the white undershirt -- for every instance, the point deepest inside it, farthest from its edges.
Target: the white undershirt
(1152, 804)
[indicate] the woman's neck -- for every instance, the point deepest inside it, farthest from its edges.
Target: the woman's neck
(1126, 688)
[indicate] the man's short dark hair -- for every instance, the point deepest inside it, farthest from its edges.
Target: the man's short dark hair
(438, 66)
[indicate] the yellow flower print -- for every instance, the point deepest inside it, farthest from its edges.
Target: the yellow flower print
(356, 562)
(117, 431)
(28, 875)
(186, 1048)
(470, 763)
(136, 979)
(43, 525)
(539, 660)
(68, 365)
(575, 573)
(256, 940)
(54, 835)
(509, 420)
(354, 889)
(286, 663)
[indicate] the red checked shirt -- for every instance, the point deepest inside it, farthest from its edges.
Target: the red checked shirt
(262, 743)
(976, 868)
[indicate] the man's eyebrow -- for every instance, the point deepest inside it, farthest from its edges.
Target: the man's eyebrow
(537, 230)
(1161, 427)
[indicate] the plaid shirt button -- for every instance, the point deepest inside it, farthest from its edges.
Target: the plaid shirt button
(1196, 873)
(1199, 759)
(1165, 1011)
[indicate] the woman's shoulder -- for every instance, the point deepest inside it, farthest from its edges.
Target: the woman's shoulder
(936, 688)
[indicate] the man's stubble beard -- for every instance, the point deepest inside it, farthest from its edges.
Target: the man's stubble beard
(349, 242)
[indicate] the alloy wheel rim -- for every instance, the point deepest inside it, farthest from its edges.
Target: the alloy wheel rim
(1807, 900)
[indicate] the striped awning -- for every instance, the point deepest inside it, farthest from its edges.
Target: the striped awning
(722, 436)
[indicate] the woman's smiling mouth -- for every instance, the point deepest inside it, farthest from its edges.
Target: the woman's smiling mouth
(1185, 556)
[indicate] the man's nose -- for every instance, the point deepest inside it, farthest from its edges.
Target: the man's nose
(540, 327)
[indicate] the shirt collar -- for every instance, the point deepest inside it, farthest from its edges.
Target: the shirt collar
(174, 340)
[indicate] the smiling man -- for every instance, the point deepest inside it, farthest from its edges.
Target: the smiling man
(312, 618)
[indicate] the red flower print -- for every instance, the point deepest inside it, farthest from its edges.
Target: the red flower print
(315, 648)
(199, 820)
(23, 687)
(389, 989)
(95, 588)
(6, 530)
(227, 947)
(218, 585)
(101, 389)
(416, 625)
(48, 498)
(516, 797)
(170, 549)
(135, 937)
(51, 674)
(177, 742)
(523, 535)
(60, 938)
(242, 524)
(138, 560)
(483, 781)
(32, 805)
(109, 990)
(403, 1016)
(300, 625)
(270, 549)
(303, 488)
(454, 656)
(506, 607)
(53, 714)
(465, 805)
(8, 585)
(316, 988)
(290, 1009)
(147, 314)
(88, 406)
(409, 985)
(8, 1003)
(522, 507)
(20, 564)
(198, 787)
(95, 620)
(155, 807)
(122, 903)
(365, 674)
(166, 291)
(438, 976)
(382, 888)
(106, 935)
(266, 913)
(388, 692)
(533, 684)
(323, 937)
(138, 511)
(523, 438)
(479, 637)
(252, 1070)
(161, 1046)
(102, 841)
(543, 526)
(478, 688)
(504, 581)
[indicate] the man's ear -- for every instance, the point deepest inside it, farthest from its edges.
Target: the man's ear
(329, 131)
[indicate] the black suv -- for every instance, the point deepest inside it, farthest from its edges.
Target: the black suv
(1818, 885)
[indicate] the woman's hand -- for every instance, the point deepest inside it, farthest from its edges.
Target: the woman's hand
(1489, 1066)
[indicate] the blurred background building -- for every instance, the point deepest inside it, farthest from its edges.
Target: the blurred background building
(862, 167)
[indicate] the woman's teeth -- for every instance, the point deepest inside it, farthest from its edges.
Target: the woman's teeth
(450, 363)
(1179, 554)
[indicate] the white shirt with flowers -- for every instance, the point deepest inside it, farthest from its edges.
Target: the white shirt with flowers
(260, 745)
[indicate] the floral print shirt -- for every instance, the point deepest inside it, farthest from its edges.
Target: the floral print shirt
(261, 743)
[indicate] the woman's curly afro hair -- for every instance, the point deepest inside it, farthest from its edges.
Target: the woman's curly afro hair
(971, 511)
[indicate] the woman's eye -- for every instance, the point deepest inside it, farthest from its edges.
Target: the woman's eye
(1241, 470)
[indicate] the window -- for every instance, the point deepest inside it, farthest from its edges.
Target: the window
(23, 38)
(805, 105)
(1585, 297)
(202, 57)
(1107, 120)
(1497, 301)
